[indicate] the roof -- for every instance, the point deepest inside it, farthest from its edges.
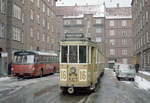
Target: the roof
(96, 10)
(80, 10)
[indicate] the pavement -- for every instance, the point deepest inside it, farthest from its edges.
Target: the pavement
(147, 77)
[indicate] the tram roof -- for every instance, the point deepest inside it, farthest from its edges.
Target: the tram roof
(52, 53)
(77, 37)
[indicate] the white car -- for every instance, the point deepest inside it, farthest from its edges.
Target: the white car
(126, 71)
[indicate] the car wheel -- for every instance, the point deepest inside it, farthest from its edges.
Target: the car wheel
(118, 78)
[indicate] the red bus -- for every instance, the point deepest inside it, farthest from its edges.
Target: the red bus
(34, 63)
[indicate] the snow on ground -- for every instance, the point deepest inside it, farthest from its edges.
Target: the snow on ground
(145, 73)
(5, 78)
(142, 83)
(106, 68)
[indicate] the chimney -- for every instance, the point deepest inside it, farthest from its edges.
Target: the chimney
(118, 5)
(76, 4)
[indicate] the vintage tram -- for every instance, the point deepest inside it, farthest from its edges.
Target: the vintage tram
(81, 63)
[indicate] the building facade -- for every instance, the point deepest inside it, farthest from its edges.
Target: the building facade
(141, 32)
(111, 28)
(27, 25)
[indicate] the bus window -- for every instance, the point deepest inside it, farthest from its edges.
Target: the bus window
(73, 54)
(24, 59)
(64, 52)
(82, 54)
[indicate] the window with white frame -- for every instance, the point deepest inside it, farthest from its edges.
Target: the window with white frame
(2, 6)
(2, 30)
(124, 41)
(31, 32)
(147, 37)
(48, 13)
(22, 37)
(48, 26)
(112, 23)
(16, 32)
(43, 37)
(98, 39)
(44, 22)
(78, 21)
(16, 11)
(98, 30)
(112, 32)
(44, 7)
(146, 16)
(124, 52)
(38, 19)
(124, 23)
(124, 33)
(112, 42)
(38, 3)
(38, 35)
(48, 39)
(31, 16)
(112, 51)
(98, 21)
(22, 17)
(67, 22)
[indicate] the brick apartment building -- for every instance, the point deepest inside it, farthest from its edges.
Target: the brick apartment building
(110, 27)
(141, 32)
(27, 25)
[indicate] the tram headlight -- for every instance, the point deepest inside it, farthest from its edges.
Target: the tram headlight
(12, 69)
(73, 70)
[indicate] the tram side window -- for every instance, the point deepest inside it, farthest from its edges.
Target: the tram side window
(64, 54)
(82, 54)
(73, 54)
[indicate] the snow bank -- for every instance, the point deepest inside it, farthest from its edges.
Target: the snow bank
(145, 73)
(142, 83)
(5, 78)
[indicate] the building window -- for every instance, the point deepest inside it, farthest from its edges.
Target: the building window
(52, 28)
(67, 22)
(31, 14)
(48, 26)
(98, 39)
(2, 6)
(112, 32)
(48, 13)
(38, 3)
(147, 37)
(124, 33)
(16, 34)
(2, 30)
(124, 42)
(52, 2)
(125, 61)
(112, 23)
(31, 32)
(44, 7)
(124, 52)
(22, 17)
(22, 37)
(43, 37)
(16, 11)
(43, 22)
(38, 19)
(98, 21)
(146, 16)
(112, 42)
(38, 36)
(98, 30)
(124, 23)
(79, 22)
(112, 51)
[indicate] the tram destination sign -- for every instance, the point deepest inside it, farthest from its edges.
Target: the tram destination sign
(74, 35)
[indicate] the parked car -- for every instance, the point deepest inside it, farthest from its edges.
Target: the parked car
(126, 71)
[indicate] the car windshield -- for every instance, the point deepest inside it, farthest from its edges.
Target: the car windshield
(24, 59)
(126, 68)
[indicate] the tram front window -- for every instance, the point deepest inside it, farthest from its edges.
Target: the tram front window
(64, 54)
(73, 54)
(82, 54)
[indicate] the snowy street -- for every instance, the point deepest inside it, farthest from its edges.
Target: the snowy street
(46, 90)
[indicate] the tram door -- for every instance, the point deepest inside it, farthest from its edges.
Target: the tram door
(93, 61)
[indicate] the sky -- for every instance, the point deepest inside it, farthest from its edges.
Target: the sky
(109, 3)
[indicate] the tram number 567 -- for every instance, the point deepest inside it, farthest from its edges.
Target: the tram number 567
(82, 75)
(63, 75)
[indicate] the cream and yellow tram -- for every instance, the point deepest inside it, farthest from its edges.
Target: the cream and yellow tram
(81, 63)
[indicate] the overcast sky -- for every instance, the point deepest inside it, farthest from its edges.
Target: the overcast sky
(109, 3)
